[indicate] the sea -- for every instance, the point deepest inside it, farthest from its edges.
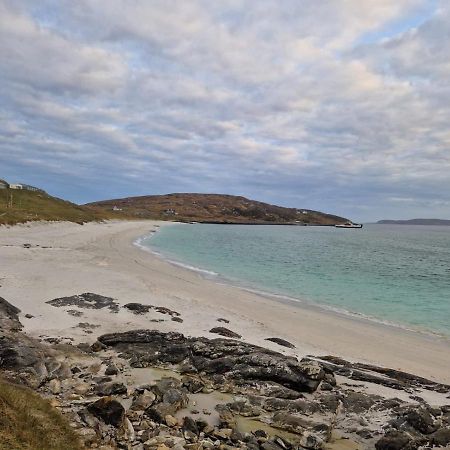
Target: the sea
(395, 274)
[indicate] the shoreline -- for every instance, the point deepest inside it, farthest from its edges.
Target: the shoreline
(295, 302)
(66, 259)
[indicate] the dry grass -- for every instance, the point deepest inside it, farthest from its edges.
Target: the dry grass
(28, 422)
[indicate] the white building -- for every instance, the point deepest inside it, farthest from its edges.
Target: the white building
(15, 186)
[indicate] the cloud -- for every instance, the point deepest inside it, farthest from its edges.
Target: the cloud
(341, 106)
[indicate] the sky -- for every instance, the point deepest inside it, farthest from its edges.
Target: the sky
(341, 106)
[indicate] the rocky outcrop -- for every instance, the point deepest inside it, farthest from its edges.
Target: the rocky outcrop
(220, 393)
(225, 332)
(281, 342)
(87, 300)
(392, 378)
(227, 359)
(9, 316)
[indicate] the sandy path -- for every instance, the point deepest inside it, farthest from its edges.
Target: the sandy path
(67, 259)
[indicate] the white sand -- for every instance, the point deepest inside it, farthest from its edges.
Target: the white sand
(100, 258)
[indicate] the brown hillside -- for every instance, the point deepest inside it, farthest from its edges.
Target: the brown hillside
(214, 208)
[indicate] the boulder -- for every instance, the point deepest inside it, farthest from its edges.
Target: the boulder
(281, 342)
(111, 388)
(9, 316)
(393, 440)
(111, 370)
(421, 420)
(441, 437)
(138, 308)
(108, 410)
(225, 332)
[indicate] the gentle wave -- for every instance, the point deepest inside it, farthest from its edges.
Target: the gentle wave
(140, 243)
(220, 279)
(214, 247)
(328, 308)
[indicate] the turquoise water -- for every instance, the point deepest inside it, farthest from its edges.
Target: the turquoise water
(399, 274)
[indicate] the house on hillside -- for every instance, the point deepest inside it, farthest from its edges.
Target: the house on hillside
(27, 187)
(4, 184)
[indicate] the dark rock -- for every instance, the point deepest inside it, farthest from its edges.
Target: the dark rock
(138, 308)
(392, 378)
(223, 320)
(29, 316)
(111, 388)
(193, 384)
(111, 370)
(326, 386)
(85, 347)
(164, 385)
(421, 420)
(260, 434)
(225, 332)
(109, 410)
(242, 362)
(175, 397)
(87, 300)
(330, 378)
(394, 440)
(9, 316)
(87, 326)
(270, 445)
(441, 437)
(295, 423)
(358, 402)
(158, 412)
(97, 346)
(18, 352)
(281, 342)
(177, 319)
(75, 369)
(164, 310)
(189, 424)
(74, 312)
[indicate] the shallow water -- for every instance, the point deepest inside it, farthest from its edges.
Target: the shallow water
(397, 274)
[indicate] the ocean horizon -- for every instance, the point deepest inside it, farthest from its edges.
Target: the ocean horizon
(397, 275)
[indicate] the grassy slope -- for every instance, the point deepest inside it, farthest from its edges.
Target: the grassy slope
(28, 422)
(212, 208)
(28, 205)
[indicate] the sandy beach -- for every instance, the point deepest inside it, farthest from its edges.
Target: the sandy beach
(43, 261)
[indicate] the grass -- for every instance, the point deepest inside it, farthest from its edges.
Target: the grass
(28, 422)
(17, 206)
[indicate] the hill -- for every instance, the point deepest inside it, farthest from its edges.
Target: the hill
(416, 222)
(17, 206)
(212, 208)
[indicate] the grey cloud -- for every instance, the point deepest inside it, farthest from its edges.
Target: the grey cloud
(278, 101)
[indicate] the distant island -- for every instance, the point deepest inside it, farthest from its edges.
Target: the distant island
(416, 222)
